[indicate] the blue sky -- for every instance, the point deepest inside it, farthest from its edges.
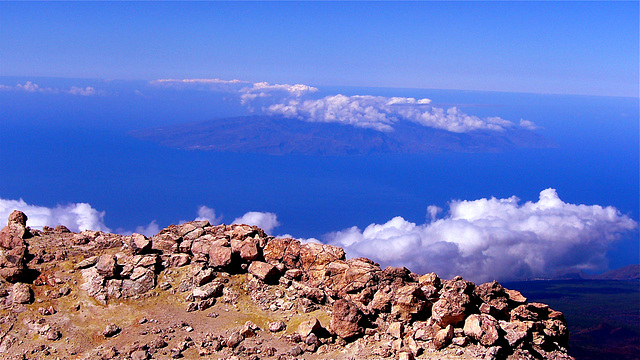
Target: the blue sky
(543, 47)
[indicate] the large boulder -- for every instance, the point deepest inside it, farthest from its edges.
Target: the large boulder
(408, 302)
(263, 271)
(107, 265)
(345, 319)
(315, 257)
(483, 328)
(219, 256)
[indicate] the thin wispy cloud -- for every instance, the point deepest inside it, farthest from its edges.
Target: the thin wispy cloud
(31, 87)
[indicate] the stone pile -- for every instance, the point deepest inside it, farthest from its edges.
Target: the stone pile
(417, 314)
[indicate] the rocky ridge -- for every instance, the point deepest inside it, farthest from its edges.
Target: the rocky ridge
(231, 291)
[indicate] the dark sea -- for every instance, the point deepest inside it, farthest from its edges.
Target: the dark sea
(59, 149)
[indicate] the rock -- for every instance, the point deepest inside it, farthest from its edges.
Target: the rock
(443, 337)
(88, 262)
(208, 291)
(106, 265)
(483, 328)
(139, 355)
(396, 329)
(21, 294)
(167, 240)
(235, 339)
(345, 319)
(178, 260)
(515, 297)
(405, 355)
(13, 263)
(447, 312)
(293, 274)
(219, 256)
(263, 271)
(308, 327)
(277, 326)
(515, 331)
(139, 244)
(17, 217)
(309, 292)
(295, 351)
(61, 229)
(111, 330)
(408, 302)
(315, 257)
(249, 329)
(53, 334)
(249, 251)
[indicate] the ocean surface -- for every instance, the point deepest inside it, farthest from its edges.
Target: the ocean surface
(59, 149)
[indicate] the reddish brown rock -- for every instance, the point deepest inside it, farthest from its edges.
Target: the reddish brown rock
(483, 328)
(166, 240)
(345, 319)
(443, 337)
(381, 301)
(139, 244)
(408, 302)
(219, 256)
(308, 327)
(249, 250)
(12, 263)
(448, 312)
(515, 298)
(515, 331)
(315, 257)
(106, 265)
(18, 217)
(263, 271)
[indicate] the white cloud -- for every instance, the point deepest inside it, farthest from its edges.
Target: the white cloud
(217, 85)
(528, 125)
(375, 112)
(265, 220)
(209, 214)
(77, 217)
(35, 88)
(151, 229)
(86, 91)
(381, 113)
(493, 238)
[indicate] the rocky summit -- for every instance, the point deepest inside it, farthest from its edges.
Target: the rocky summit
(198, 291)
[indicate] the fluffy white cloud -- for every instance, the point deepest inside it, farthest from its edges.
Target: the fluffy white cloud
(77, 217)
(367, 111)
(380, 113)
(493, 238)
(265, 220)
(209, 214)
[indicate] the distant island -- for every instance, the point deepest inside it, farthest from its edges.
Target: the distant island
(282, 136)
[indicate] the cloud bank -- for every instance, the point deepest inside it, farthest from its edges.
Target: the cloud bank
(493, 238)
(481, 240)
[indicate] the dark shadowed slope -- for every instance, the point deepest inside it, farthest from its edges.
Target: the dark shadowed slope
(279, 136)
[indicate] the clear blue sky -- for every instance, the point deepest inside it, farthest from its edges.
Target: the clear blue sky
(544, 47)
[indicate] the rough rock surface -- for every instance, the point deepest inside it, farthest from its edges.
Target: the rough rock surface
(196, 290)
